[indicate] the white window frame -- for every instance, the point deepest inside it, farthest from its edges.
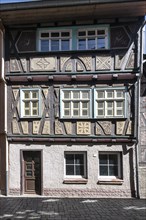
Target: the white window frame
(49, 31)
(96, 36)
(72, 101)
(119, 157)
(30, 100)
(85, 165)
(113, 100)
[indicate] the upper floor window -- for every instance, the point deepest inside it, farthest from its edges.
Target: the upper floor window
(73, 38)
(55, 40)
(91, 39)
(109, 103)
(76, 103)
(30, 102)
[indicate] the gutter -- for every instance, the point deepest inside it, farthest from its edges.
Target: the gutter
(57, 3)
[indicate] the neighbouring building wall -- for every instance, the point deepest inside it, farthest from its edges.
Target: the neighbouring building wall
(142, 146)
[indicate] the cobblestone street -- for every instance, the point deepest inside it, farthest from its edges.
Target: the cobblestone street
(71, 209)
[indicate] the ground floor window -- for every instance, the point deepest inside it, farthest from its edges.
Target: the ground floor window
(110, 164)
(75, 164)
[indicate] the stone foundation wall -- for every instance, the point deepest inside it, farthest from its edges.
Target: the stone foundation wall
(142, 181)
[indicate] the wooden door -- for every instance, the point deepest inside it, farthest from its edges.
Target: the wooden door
(32, 172)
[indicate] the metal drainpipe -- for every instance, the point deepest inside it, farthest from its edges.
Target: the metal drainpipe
(5, 106)
(138, 110)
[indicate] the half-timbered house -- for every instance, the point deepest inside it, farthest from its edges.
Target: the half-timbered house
(72, 72)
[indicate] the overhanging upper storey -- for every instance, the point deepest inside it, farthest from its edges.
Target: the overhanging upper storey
(54, 10)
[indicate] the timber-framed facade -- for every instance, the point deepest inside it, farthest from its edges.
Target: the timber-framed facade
(72, 85)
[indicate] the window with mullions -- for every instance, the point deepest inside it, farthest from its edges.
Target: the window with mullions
(109, 103)
(75, 164)
(91, 39)
(75, 103)
(110, 164)
(55, 40)
(30, 102)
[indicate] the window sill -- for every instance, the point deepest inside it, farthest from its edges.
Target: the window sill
(110, 181)
(75, 181)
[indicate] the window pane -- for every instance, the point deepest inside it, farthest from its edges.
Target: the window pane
(110, 94)
(65, 34)
(44, 45)
(67, 112)
(34, 95)
(75, 105)
(65, 45)
(26, 94)
(91, 44)
(101, 43)
(119, 112)
(100, 112)
(100, 32)
(67, 105)
(82, 33)
(75, 112)
(82, 44)
(100, 94)
(85, 105)
(45, 35)
(76, 95)
(85, 113)
(79, 170)
(35, 112)
(119, 94)
(110, 104)
(113, 171)
(103, 170)
(35, 105)
(55, 34)
(91, 33)
(85, 95)
(28, 166)
(66, 94)
(69, 169)
(103, 159)
(79, 158)
(27, 112)
(119, 104)
(28, 173)
(100, 104)
(26, 104)
(69, 158)
(54, 45)
(110, 112)
(113, 159)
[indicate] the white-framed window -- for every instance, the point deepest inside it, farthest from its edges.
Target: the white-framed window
(75, 165)
(30, 102)
(75, 103)
(110, 165)
(55, 40)
(109, 103)
(92, 38)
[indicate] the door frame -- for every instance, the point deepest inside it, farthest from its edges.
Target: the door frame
(22, 186)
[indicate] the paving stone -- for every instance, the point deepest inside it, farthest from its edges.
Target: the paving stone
(71, 209)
